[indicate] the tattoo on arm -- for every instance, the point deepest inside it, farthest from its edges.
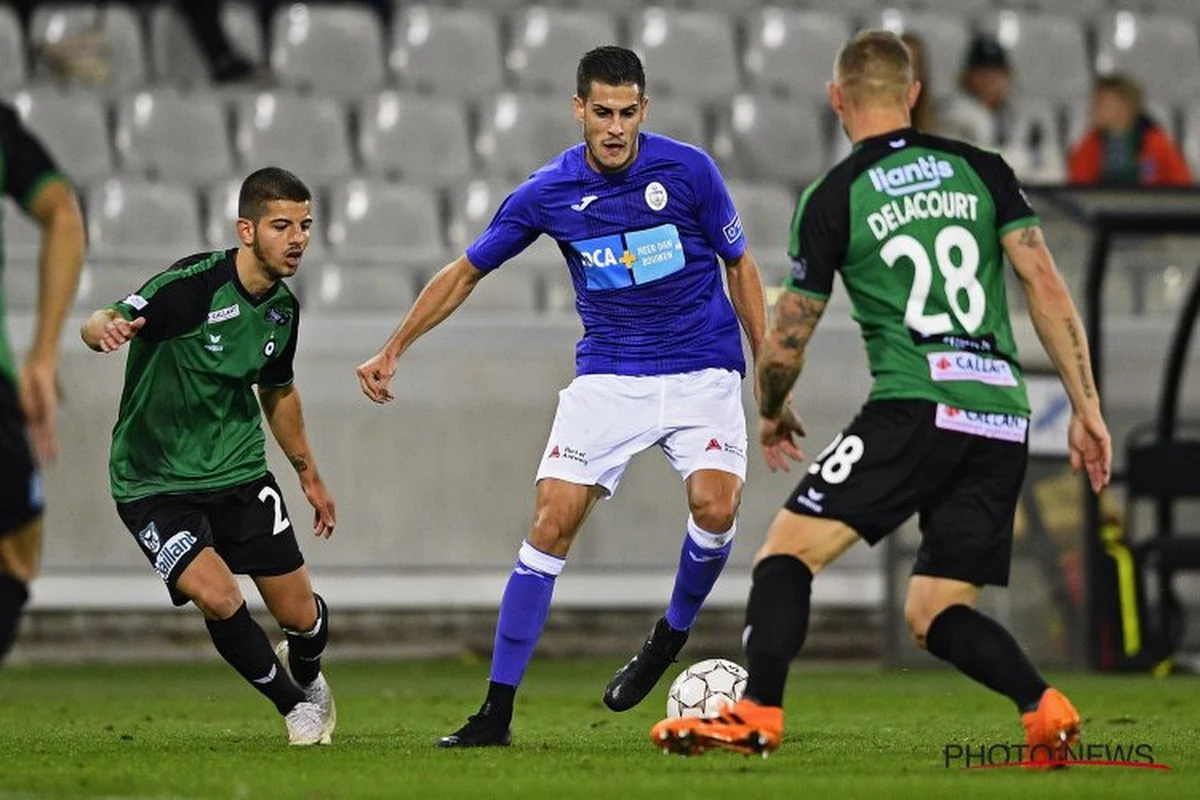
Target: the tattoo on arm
(1030, 237)
(299, 461)
(1080, 359)
(796, 317)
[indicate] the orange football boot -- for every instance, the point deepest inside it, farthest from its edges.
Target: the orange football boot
(1050, 730)
(745, 727)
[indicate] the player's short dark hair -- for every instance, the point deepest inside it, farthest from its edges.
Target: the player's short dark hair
(267, 184)
(612, 66)
(1122, 85)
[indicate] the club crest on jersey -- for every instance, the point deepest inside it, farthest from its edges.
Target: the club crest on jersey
(656, 196)
(269, 348)
(148, 536)
(278, 316)
(224, 314)
(927, 172)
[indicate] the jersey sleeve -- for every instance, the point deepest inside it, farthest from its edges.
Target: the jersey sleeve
(718, 215)
(281, 372)
(171, 303)
(27, 166)
(1013, 209)
(514, 227)
(820, 236)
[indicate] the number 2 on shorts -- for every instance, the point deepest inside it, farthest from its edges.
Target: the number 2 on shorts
(282, 523)
(835, 461)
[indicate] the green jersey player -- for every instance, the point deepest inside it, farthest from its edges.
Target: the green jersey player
(188, 467)
(918, 226)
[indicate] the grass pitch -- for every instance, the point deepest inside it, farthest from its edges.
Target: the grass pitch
(198, 731)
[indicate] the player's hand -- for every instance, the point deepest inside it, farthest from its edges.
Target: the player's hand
(375, 375)
(778, 439)
(38, 392)
(118, 331)
(1091, 448)
(324, 513)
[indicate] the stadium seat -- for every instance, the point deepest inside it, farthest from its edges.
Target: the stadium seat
(764, 138)
(680, 119)
(1162, 52)
(1080, 9)
(519, 133)
(176, 56)
(766, 211)
(13, 71)
(1181, 8)
(168, 135)
(517, 286)
(946, 37)
(306, 133)
(414, 138)
(333, 49)
(387, 223)
(130, 219)
(1035, 151)
(1048, 54)
(793, 51)
(1191, 138)
(72, 126)
(113, 32)
(686, 53)
(447, 51)
(548, 42)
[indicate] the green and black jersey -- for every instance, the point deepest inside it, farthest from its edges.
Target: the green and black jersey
(189, 418)
(25, 167)
(913, 222)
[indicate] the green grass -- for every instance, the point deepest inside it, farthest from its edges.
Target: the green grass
(198, 731)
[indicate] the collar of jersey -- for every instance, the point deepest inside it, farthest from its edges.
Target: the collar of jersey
(883, 137)
(231, 258)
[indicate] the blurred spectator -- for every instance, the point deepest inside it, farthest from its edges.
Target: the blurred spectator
(923, 114)
(225, 63)
(1124, 147)
(982, 113)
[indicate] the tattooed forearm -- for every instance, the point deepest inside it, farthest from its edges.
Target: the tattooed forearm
(795, 319)
(1081, 362)
(1030, 237)
(299, 461)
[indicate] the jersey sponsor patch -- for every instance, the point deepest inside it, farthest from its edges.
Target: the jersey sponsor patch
(1005, 427)
(733, 230)
(278, 316)
(959, 366)
(923, 173)
(175, 549)
(136, 301)
(631, 259)
(224, 314)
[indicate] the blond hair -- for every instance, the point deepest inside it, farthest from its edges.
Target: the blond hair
(874, 66)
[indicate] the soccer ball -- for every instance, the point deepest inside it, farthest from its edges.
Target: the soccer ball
(701, 689)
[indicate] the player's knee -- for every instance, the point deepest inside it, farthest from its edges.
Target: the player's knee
(551, 535)
(714, 511)
(218, 602)
(918, 619)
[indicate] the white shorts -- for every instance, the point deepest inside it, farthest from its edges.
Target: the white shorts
(603, 421)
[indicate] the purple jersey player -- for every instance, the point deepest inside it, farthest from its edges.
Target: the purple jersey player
(641, 220)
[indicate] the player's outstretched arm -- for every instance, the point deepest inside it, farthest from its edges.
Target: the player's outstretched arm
(56, 210)
(441, 296)
(1061, 331)
(749, 301)
(281, 407)
(106, 330)
(795, 320)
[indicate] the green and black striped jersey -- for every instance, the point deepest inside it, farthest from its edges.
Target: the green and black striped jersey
(25, 167)
(913, 222)
(189, 419)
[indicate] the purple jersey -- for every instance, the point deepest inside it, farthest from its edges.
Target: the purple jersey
(642, 248)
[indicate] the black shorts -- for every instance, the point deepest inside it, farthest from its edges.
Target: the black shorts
(904, 457)
(248, 526)
(20, 480)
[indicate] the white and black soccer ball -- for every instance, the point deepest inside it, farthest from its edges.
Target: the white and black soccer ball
(701, 689)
